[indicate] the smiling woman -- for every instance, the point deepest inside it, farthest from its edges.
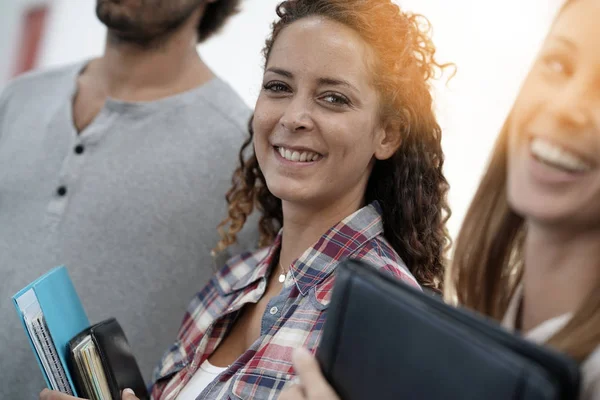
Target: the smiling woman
(529, 249)
(364, 93)
(319, 100)
(343, 161)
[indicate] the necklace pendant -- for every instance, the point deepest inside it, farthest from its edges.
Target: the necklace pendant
(281, 278)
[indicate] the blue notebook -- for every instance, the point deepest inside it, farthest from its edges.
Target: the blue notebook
(52, 314)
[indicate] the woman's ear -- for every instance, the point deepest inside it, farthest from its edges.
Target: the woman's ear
(388, 140)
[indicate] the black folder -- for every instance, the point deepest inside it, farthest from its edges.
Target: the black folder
(386, 340)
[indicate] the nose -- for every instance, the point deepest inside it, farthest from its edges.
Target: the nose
(571, 107)
(297, 116)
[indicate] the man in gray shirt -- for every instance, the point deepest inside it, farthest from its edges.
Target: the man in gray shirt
(118, 169)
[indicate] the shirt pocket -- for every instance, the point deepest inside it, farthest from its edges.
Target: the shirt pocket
(254, 384)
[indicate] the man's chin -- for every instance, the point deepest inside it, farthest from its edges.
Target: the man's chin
(124, 29)
(114, 16)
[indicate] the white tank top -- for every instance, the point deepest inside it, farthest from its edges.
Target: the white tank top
(201, 379)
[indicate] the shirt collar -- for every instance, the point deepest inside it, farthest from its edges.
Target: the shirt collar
(338, 243)
(243, 270)
(262, 268)
(316, 263)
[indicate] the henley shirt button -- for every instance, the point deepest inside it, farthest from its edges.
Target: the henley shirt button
(79, 149)
(61, 191)
(273, 310)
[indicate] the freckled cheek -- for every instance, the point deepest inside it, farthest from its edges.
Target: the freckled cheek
(260, 142)
(354, 139)
(266, 116)
(262, 125)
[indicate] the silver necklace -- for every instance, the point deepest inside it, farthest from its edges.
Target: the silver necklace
(283, 273)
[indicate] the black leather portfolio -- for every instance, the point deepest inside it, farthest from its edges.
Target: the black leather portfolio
(386, 340)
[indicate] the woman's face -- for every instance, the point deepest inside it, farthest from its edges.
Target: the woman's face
(554, 131)
(317, 126)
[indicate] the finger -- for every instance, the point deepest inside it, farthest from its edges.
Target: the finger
(293, 392)
(47, 394)
(128, 394)
(310, 374)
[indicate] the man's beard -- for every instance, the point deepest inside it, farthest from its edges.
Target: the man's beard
(133, 29)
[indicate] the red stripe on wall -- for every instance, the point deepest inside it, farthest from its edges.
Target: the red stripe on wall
(32, 30)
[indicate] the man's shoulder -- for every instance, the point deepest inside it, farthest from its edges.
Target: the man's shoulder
(40, 80)
(226, 104)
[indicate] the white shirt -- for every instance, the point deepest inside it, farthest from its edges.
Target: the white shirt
(202, 378)
(590, 369)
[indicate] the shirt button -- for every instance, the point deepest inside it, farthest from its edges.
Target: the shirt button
(79, 149)
(61, 191)
(273, 310)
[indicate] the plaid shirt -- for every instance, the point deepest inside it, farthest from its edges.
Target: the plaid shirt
(292, 319)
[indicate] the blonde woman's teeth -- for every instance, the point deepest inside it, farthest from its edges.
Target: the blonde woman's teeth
(557, 156)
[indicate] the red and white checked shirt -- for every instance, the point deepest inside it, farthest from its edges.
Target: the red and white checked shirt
(294, 318)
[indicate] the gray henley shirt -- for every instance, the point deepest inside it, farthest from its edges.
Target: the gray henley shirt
(130, 206)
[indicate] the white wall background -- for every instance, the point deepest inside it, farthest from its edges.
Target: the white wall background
(492, 43)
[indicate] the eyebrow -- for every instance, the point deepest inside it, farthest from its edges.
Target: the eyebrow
(322, 81)
(280, 71)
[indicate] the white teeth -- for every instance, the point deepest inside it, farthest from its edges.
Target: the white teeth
(557, 156)
(305, 156)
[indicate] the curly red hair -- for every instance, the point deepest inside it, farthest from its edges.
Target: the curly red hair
(410, 186)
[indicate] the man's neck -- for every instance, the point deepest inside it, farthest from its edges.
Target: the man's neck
(561, 269)
(131, 72)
